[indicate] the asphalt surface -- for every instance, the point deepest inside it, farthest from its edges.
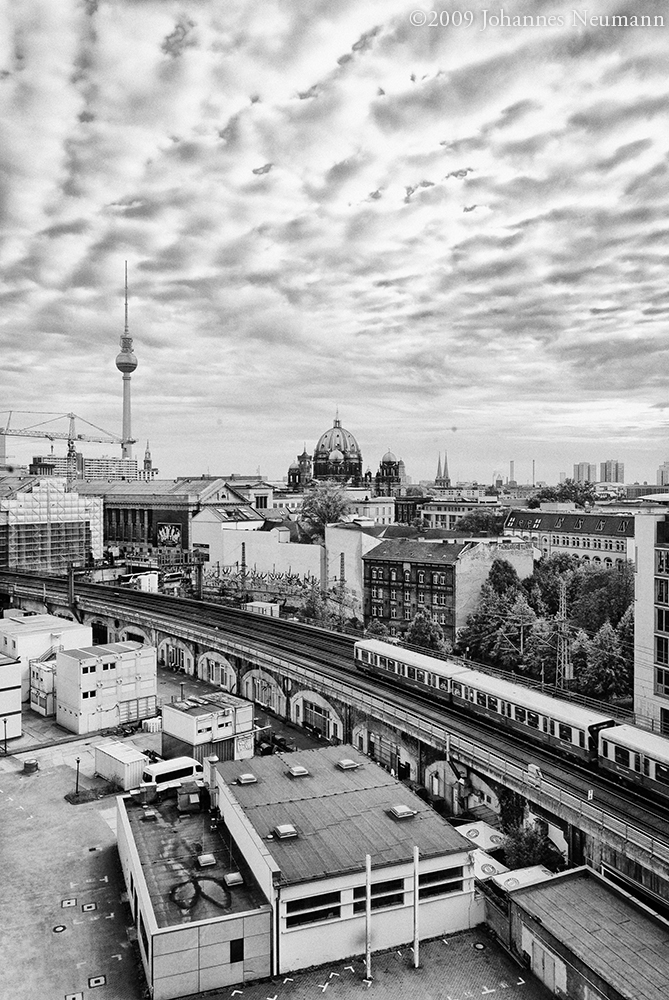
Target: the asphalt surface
(67, 932)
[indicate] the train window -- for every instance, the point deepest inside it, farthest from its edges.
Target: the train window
(455, 688)
(391, 666)
(411, 673)
(383, 663)
(443, 684)
(637, 762)
(621, 756)
(544, 724)
(581, 738)
(521, 714)
(565, 732)
(533, 720)
(605, 748)
(420, 676)
(480, 699)
(493, 704)
(662, 773)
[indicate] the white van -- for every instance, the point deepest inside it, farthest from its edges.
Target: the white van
(170, 773)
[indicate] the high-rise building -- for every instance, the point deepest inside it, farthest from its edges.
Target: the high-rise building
(585, 472)
(108, 467)
(663, 474)
(612, 471)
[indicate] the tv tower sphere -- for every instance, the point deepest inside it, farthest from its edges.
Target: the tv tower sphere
(126, 361)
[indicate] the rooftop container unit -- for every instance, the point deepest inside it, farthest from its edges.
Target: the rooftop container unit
(121, 764)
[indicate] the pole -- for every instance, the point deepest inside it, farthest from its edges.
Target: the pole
(76, 788)
(368, 916)
(5, 722)
(416, 903)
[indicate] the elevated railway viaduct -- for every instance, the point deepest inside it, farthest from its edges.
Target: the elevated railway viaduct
(306, 676)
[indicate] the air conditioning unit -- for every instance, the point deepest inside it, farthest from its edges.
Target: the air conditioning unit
(206, 860)
(232, 879)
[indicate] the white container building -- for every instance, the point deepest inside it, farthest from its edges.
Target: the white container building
(121, 764)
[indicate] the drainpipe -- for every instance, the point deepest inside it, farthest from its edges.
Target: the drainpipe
(416, 903)
(368, 917)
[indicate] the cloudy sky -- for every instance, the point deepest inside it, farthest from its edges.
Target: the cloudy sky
(456, 234)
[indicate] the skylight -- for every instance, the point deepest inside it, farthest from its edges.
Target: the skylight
(347, 764)
(285, 831)
(400, 811)
(297, 771)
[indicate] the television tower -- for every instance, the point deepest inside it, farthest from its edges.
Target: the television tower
(126, 362)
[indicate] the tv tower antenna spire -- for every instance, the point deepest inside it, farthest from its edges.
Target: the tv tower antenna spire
(126, 362)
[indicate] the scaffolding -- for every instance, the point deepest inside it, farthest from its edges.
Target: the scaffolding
(49, 530)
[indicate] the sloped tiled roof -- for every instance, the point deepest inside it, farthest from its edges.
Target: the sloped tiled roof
(408, 550)
(620, 525)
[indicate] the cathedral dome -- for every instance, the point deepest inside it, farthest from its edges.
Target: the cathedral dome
(336, 456)
(294, 465)
(338, 438)
(389, 457)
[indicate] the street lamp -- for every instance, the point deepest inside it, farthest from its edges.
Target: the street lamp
(76, 787)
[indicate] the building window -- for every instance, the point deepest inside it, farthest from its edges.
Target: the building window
(407, 614)
(661, 650)
(383, 894)
(661, 681)
(313, 909)
(393, 612)
(662, 561)
(393, 575)
(237, 946)
(421, 577)
(421, 597)
(662, 591)
(440, 883)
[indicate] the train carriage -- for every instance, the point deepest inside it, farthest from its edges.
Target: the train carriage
(416, 669)
(566, 726)
(639, 756)
(540, 717)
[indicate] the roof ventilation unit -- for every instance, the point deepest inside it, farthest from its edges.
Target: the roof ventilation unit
(297, 771)
(247, 779)
(206, 860)
(285, 831)
(150, 816)
(233, 878)
(347, 764)
(400, 811)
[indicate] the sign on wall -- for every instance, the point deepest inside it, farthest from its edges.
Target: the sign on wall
(169, 534)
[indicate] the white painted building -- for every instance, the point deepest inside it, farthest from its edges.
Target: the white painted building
(279, 884)
(10, 698)
(98, 687)
(651, 619)
(218, 723)
(35, 637)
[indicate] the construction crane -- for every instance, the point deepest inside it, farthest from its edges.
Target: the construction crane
(38, 430)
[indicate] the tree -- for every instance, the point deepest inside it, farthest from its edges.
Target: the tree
(324, 504)
(527, 845)
(503, 577)
(482, 522)
(605, 595)
(605, 675)
(425, 632)
(569, 491)
(377, 630)
(540, 651)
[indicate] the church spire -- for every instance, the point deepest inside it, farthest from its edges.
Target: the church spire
(438, 476)
(445, 475)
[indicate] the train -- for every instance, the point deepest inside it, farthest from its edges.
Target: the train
(596, 739)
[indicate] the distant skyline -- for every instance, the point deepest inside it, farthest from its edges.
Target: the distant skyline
(457, 235)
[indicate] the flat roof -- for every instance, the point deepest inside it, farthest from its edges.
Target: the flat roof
(199, 705)
(340, 815)
(104, 649)
(182, 891)
(605, 929)
(36, 623)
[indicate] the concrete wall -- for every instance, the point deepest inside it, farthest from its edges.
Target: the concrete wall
(472, 571)
(337, 939)
(352, 544)
(264, 550)
(10, 700)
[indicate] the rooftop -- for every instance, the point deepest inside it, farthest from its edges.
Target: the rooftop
(103, 649)
(600, 524)
(341, 814)
(605, 928)
(25, 624)
(169, 844)
(214, 702)
(410, 550)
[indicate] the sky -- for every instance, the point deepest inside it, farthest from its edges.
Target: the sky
(455, 234)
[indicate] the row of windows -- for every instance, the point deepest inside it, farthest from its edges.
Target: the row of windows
(438, 579)
(636, 762)
(92, 669)
(328, 905)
